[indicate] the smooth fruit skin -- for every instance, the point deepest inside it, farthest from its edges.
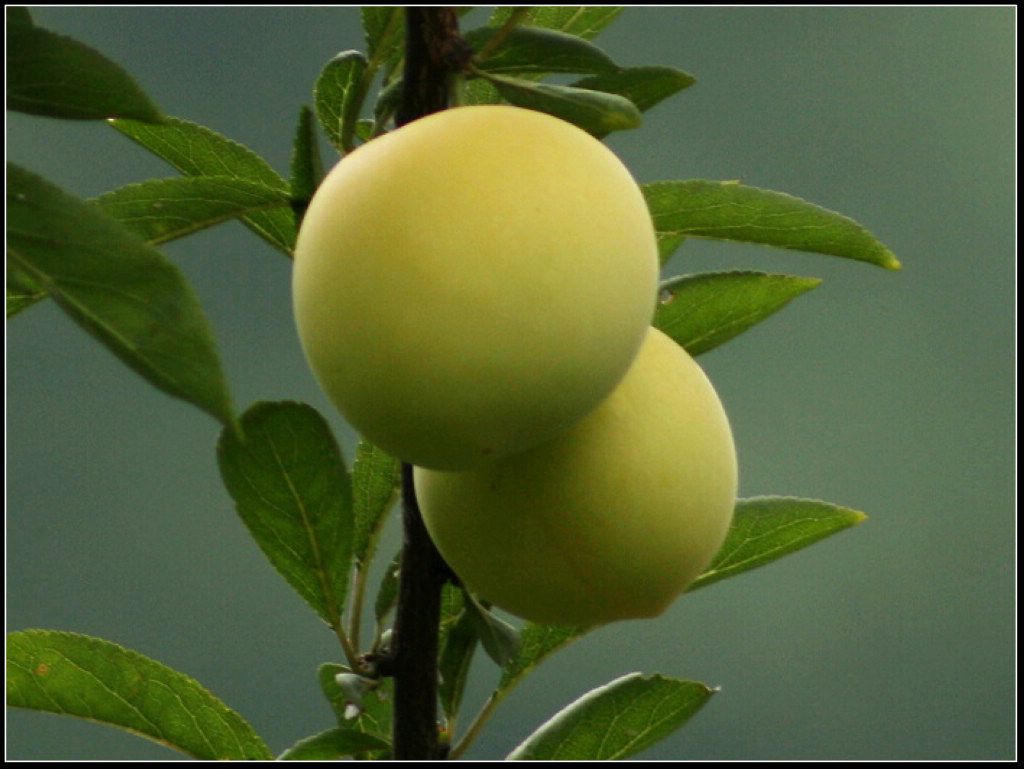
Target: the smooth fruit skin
(609, 521)
(473, 283)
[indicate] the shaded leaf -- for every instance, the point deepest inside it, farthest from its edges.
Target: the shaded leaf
(580, 20)
(384, 29)
(376, 479)
(195, 150)
(480, 91)
(18, 15)
(705, 310)
(287, 478)
(56, 76)
(458, 645)
(122, 291)
(536, 643)
(307, 165)
(332, 745)
(499, 639)
(730, 211)
(22, 291)
(159, 210)
(78, 675)
(616, 720)
(387, 593)
(338, 96)
(766, 528)
(644, 86)
(388, 101)
(375, 717)
(536, 50)
(595, 112)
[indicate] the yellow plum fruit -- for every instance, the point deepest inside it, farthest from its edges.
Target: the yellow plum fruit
(610, 520)
(473, 283)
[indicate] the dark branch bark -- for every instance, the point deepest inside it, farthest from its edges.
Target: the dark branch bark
(414, 650)
(434, 52)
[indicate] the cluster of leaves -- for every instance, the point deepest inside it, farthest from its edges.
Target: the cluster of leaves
(316, 521)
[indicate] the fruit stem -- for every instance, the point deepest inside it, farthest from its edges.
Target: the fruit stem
(434, 53)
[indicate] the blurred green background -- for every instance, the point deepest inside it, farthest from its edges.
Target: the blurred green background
(892, 393)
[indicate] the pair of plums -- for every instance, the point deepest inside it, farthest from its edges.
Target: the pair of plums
(474, 293)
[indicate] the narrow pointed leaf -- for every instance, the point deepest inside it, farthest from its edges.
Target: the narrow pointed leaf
(22, 291)
(333, 745)
(56, 76)
(119, 289)
(644, 86)
(387, 593)
(524, 50)
(307, 166)
(77, 675)
(615, 721)
(705, 310)
(159, 210)
(338, 96)
(766, 528)
(580, 20)
(288, 480)
(388, 101)
(730, 211)
(376, 478)
(195, 150)
(595, 112)
(457, 649)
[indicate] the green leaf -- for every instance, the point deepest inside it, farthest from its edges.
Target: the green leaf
(22, 291)
(644, 86)
(730, 211)
(78, 675)
(388, 101)
(307, 165)
(119, 289)
(197, 151)
(767, 528)
(499, 639)
(288, 480)
(582, 21)
(338, 96)
(525, 50)
(705, 310)
(376, 479)
(374, 718)
(56, 76)
(332, 745)
(159, 210)
(595, 112)
(17, 15)
(458, 644)
(384, 28)
(387, 593)
(536, 643)
(616, 720)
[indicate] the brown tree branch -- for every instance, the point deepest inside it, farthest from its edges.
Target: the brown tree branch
(434, 53)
